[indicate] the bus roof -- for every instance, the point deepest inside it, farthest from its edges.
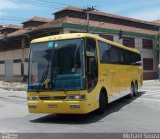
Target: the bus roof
(81, 35)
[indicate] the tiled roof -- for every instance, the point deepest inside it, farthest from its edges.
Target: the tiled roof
(157, 22)
(111, 26)
(40, 19)
(101, 25)
(77, 22)
(17, 33)
(27, 30)
(60, 20)
(96, 12)
(10, 26)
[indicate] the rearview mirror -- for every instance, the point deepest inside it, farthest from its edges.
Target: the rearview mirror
(89, 54)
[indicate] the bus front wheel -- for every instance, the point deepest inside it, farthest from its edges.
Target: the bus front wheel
(102, 103)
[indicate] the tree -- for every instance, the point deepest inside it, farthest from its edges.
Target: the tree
(157, 44)
(120, 34)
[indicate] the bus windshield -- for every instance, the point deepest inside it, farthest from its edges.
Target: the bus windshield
(57, 65)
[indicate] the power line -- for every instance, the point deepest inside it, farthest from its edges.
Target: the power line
(42, 4)
(54, 3)
(12, 18)
(9, 19)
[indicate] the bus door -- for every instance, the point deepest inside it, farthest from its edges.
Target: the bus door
(91, 63)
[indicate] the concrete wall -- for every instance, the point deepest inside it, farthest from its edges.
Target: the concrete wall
(19, 54)
(147, 53)
(2, 69)
(16, 68)
(25, 68)
(8, 55)
(26, 53)
(116, 39)
(65, 31)
(14, 54)
(2, 56)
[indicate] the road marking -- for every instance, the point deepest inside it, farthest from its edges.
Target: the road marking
(158, 95)
(148, 99)
(150, 94)
(146, 88)
(150, 90)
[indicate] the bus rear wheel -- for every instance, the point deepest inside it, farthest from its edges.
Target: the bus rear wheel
(136, 89)
(131, 91)
(102, 103)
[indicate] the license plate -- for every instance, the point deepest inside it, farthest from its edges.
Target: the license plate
(52, 105)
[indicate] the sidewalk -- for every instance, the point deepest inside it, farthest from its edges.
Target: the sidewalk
(14, 86)
(151, 81)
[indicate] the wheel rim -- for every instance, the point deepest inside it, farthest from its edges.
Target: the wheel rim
(132, 90)
(136, 89)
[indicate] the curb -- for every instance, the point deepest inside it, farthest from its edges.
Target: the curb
(13, 89)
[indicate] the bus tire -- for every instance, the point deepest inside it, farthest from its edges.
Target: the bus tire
(131, 91)
(102, 103)
(136, 89)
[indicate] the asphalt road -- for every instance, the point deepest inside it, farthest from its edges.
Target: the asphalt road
(139, 114)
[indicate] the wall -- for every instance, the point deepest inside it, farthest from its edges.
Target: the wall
(17, 56)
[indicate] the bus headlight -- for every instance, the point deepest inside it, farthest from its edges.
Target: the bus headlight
(76, 97)
(32, 98)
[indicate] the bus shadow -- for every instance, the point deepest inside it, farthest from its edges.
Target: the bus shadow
(87, 118)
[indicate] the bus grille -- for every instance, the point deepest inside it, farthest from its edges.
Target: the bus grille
(53, 98)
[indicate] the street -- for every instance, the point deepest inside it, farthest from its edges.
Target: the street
(139, 114)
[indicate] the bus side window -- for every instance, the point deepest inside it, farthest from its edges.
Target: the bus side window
(114, 55)
(126, 57)
(91, 64)
(104, 52)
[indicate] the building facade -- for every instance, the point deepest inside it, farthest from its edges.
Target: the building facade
(138, 34)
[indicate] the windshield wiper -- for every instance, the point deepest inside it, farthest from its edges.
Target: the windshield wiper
(53, 67)
(44, 76)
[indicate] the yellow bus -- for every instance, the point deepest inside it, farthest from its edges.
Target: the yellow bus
(80, 72)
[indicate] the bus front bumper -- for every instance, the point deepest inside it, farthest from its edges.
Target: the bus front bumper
(59, 107)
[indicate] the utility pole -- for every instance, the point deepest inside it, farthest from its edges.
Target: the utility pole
(87, 11)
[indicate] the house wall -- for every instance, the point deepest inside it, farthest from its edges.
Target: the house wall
(2, 69)
(16, 56)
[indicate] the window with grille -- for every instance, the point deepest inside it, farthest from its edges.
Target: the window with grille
(147, 44)
(108, 37)
(148, 63)
(129, 42)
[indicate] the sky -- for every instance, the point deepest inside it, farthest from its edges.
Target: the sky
(17, 11)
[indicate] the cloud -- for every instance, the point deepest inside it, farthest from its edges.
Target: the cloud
(6, 4)
(147, 14)
(140, 9)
